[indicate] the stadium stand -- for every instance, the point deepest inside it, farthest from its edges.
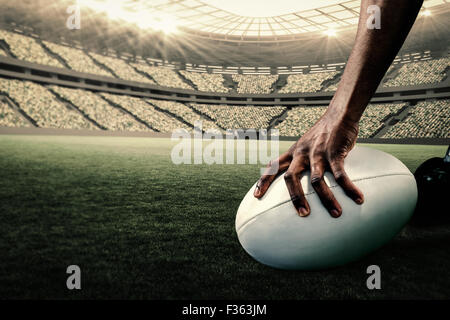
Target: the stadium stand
(310, 82)
(42, 106)
(422, 72)
(206, 81)
(9, 118)
(374, 116)
(27, 49)
(77, 59)
(138, 107)
(244, 117)
(299, 120)
(428, 119)
(332, 87)
(3, 53)
(121, 68)
(184, 112)
(163, 76)
(258, 84)
(99, 110)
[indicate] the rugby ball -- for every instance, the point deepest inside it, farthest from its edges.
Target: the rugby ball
(272, 232)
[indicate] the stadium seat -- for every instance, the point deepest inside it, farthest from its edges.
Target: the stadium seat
(42, 106)
(310, 82)
(9, 118)
(240, 117)
(27, 49)
(144, 111)
(206, 82)
(77, 59)
(427, 119)
(99, 110)
(257, 84)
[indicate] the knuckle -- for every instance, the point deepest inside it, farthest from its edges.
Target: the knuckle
(316, 180)
(289, 176)
(339, 174)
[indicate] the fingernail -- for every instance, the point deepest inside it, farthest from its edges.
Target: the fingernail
(335, 213)
(359, 200)
(302, 212)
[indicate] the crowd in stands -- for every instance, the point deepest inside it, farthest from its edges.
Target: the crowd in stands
(42, 106)
(310, 82)
(332, 87)
(27, 49)
(422, 72)
(163, 76)
(3, 53)
(374, 117)
(184, 112)
(299, 120)
(144, 111)
(99, 110)
(206, 81)
(9, 118)
(240, 117)
(121, 68)
(257, 84)
(76, 59)
(428, 119)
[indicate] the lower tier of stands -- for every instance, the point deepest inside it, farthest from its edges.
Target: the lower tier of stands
(428, 119)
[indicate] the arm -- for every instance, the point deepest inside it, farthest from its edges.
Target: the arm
(327, 143)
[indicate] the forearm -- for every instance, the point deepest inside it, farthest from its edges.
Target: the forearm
(372, 54)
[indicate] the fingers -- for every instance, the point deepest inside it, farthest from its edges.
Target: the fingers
(346, 184)
(292, 179)
(272, 170)
(323, 191)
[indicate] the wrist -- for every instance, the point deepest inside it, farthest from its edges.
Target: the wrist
(341, 113)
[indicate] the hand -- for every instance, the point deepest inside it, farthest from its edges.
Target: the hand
(323, 147)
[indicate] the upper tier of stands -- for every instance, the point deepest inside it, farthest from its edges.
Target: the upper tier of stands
(47, 53)
(257, 84)
(121, 68)
(421, 72)
(206, 81)
(76, 59)
(163, 76)
(27, 49)
(428, 119)
(311, 82)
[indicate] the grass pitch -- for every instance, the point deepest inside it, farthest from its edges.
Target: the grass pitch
(142, 227)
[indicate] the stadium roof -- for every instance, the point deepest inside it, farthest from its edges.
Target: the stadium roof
(206, 17)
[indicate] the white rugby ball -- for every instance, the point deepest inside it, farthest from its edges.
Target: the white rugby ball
(272, 232)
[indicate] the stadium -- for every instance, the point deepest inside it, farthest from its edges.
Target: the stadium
(91, 92)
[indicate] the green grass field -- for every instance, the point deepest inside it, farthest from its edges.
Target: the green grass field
(142, 227)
